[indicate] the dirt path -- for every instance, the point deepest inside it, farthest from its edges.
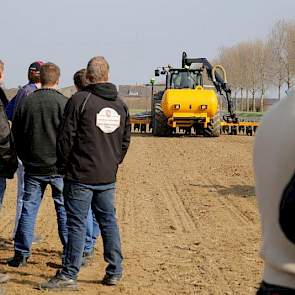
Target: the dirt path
(187, 214)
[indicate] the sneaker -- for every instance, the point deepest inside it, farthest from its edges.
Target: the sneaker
(111, 280)
(59, 283)
(4, 278)
(87, 257)
(17, 260)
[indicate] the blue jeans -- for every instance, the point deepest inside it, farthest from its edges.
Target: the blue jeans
(78, 198)
(33, 194)
(92, 232)
(20, 194)
(2, 189)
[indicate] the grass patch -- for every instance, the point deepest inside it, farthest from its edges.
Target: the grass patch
(135, 111)
(250, 114)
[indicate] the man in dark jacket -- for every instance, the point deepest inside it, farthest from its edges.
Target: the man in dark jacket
(92, 142)
(8, 161)
(34, 127)
(92, 228)
(3, 97)
(32, 85)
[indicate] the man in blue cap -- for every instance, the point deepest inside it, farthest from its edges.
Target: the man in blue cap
(31, 86)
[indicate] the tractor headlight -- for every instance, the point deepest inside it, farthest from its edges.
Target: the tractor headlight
(204, 107)
(176, 107)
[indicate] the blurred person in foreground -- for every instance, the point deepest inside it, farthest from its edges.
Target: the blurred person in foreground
(8, 160)
(4, 101)
(274, 167)
(34, 127)
(32, 85)
(92, 142)
(92, 229)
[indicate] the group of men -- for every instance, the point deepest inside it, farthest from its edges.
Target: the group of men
(74, 145)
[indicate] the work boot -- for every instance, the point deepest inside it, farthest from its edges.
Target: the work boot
(17, 260)
(4, 278)
(59, 283)
(111, 280)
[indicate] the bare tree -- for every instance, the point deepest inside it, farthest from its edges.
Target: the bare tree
(236, 61)
(277, 43)
(289, 52)
(227, 59)
(263, 54)
(253, 66)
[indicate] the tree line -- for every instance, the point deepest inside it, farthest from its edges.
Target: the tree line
(253, 67)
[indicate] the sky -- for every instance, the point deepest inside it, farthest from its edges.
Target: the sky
(135, 36)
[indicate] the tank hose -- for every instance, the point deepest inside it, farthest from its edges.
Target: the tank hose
(214, 69)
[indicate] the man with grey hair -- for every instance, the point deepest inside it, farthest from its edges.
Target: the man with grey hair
(93, 140)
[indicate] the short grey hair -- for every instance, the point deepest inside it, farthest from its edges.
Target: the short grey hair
(97, 70)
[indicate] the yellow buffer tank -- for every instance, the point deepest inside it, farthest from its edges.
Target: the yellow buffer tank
(190, 103)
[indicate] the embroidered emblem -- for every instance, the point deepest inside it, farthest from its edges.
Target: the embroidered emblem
(108, 120)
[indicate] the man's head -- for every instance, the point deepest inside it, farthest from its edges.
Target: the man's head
(34, 71)
(97, 70)
(49, 75)
(80, 80)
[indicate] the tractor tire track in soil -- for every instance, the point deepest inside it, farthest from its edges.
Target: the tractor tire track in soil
(187, 215)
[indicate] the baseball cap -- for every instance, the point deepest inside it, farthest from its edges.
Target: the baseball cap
(35, 66)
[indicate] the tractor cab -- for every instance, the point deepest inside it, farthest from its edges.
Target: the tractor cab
(184, 78)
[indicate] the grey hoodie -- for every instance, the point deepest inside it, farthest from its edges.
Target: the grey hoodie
(274, 167)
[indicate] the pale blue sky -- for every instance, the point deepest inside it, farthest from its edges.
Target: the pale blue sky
(135, 36)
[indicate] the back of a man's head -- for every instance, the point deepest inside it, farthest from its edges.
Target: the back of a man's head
(49, 75)
(97, 70)
(80, 80)
(34, 71)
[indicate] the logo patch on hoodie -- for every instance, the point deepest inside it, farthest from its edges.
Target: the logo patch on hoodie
(108, 120)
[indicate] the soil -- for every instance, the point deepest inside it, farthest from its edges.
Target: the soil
(188, 220)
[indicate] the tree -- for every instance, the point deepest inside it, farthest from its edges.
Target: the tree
(289, 52)
(282, 67)
(253, 66)
(262, 59)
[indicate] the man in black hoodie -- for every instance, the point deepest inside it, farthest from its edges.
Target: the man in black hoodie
(92, 142)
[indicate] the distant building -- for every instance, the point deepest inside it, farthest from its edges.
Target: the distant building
(138, 90)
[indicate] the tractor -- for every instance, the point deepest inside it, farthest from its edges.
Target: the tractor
(186, 105)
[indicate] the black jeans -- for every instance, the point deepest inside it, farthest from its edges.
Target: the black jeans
(269, 289)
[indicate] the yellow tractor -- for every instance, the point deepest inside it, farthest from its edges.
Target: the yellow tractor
(186, 105)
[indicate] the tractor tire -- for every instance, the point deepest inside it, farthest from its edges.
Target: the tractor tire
(213, 128)
(160, 122)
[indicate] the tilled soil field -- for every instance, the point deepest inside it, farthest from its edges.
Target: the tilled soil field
(188, 219)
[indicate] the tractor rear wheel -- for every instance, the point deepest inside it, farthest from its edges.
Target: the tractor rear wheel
(213, 128)
(160, 122)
